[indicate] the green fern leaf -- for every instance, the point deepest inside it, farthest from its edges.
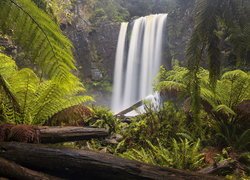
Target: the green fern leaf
(39, 36)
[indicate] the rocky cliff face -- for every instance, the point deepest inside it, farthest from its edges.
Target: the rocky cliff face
(95, 45)
(94, 33)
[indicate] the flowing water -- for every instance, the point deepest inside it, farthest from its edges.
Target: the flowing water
(136, 67)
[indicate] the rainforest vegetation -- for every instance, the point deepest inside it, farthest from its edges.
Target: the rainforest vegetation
(203, 121)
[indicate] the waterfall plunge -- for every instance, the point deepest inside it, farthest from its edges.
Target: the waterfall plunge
(135, 71)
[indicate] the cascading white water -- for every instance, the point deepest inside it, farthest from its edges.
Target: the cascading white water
(118, 74)
(133, 77)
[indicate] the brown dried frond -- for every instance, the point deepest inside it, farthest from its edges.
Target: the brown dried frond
(73, 116)
(24, 133)
(5, 131)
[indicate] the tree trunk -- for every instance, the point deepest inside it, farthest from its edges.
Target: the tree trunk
(69, 134)
(13, 171)
(76, 164)
(226, 165)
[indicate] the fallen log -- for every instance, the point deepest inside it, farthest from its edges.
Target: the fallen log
(46, 134)
(131, 108)
(76, 164)
(226, 165)
(70, 134)
(12, 170)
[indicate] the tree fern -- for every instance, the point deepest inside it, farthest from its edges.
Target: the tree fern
(37, 101)
(53, 100)
(39, 36)
(205, 41)
(231, 89)
(171, 86)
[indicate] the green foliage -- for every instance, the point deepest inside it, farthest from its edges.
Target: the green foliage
(182, 155)
(231, 89)
(216, 22)
(163, 124)
(39, 37)
(186, 154)
(37, 100)
(103, 118)
(108, 10)
(229, 134)
(61, 9)
(173, 80)
(219, 102)
(154, 154)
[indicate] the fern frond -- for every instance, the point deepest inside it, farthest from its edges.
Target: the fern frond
(39, 36)
(233, 75)
(171, 86)
(244, 140)
(225, 109)
(24, 84)
(7, 66)
(52, 99)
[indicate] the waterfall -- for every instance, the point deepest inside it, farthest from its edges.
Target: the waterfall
(118, 74)
(136, 68)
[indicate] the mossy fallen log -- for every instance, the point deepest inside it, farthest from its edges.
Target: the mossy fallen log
(76, 164)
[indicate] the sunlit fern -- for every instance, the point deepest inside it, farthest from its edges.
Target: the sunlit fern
(37, 101)
(39, 37)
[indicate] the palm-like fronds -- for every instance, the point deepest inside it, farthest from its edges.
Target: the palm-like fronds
(52, 100)
(39, 36)
(231, 89)
(37, 101)
(172, 80)
(171, 86)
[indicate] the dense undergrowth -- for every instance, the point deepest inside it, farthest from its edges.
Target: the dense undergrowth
(171, 137)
